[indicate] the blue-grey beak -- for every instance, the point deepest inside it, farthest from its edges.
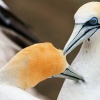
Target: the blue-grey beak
(69, 73)
(80, 33)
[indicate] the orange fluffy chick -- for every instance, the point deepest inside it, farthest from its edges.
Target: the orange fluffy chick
(32, 65)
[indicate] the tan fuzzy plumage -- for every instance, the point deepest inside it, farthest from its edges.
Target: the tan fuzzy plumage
(34, 64)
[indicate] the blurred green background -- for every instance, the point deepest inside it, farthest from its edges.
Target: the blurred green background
(52, 21)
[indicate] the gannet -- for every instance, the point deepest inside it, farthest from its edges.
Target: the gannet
(28, 67)
(87, 62)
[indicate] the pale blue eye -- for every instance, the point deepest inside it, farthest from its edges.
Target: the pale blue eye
(93, 21)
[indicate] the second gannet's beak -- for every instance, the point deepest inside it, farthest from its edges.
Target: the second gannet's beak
(70, 74)
(81, 32)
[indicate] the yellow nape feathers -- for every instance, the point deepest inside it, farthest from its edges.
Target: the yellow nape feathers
(87, 11)
(34, 64)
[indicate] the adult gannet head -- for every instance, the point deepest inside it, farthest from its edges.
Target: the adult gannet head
(87, 23)
(34, 64)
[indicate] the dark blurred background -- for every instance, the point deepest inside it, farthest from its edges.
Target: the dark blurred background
(52, 21)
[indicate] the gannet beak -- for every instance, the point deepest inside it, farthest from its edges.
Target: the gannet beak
(70, 74)
(80, 33)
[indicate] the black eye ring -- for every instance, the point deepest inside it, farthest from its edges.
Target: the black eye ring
(93, 21)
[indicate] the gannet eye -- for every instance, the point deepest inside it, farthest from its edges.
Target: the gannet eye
(93, 21)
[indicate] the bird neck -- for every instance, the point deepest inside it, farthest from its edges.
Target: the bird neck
(87, 62)
(21, 76)
(12, 75)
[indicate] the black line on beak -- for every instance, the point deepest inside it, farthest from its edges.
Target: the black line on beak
(72, 76)
(81, 36)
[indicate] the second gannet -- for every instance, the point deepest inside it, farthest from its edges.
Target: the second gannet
(29, 67)
(87, 62)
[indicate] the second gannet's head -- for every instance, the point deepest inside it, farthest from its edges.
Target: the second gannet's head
(87, 22)
(35, 64)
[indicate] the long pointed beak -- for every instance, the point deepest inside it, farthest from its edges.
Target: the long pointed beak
(12, 23)
(80, 33)
(70, 74)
